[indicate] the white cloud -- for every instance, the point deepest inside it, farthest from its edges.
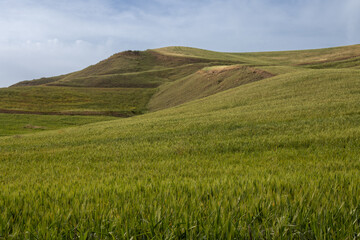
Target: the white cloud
(46, 38)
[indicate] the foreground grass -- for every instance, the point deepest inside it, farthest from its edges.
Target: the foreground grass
(276, 159)
(13, 124)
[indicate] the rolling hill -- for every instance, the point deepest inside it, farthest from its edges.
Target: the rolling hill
(134, 82)
(231, 146)
(121, 85)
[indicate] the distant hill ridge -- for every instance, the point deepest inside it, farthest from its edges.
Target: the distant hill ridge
(127, 69)
(134, 82)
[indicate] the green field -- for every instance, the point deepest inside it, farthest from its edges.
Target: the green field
(69, 100)
(275, 158)
(15, 124)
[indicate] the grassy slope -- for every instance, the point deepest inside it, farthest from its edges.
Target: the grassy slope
(203, 83)
(142, 79)
(272, 159)
(199, 84)
(15, 124)
(271, 58)
(175, 73)
(122, 84)
(112, 101)
(125, 67)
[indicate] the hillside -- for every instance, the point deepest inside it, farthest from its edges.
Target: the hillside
(203, 83)
(17, 124)
(121, 85)
(254, 146)
(134, 82)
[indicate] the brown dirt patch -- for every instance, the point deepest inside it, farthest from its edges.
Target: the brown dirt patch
(225, 69)
(29, 126)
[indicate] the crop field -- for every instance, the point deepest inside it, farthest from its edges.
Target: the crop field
(67, 100)
(276, 158)
(14, 124)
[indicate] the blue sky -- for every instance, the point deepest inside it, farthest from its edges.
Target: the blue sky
(44, 37)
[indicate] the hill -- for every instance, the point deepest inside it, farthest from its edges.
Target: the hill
(135, 82)
(276, 157)
(121, 85)
(205, 82)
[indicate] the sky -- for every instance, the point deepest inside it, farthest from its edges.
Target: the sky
(42, 38)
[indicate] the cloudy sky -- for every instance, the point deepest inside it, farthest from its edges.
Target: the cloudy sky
(45, 38)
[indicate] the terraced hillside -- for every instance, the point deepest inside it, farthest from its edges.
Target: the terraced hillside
(273, 156)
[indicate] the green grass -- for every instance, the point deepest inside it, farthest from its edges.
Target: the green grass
(15, 124)
(272, 159)
(295, 58)
(127, 101)
(142, 79)
(269, 58)
(347, 63)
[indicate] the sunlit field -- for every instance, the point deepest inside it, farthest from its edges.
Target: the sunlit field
(276, 158)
